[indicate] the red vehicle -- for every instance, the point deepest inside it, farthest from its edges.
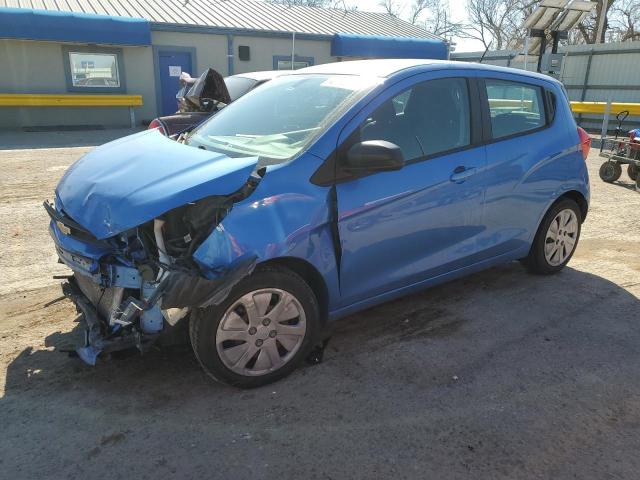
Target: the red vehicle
(199, 98)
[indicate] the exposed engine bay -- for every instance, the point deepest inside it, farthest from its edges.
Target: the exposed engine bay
(131, 285)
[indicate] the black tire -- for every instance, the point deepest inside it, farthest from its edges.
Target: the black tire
(632, 171)
(610, 171)
(638, 184)
(536, 261)
(204, 325)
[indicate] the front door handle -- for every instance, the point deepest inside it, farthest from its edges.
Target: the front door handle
(460, 174)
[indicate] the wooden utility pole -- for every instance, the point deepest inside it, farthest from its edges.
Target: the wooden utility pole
(603, 17)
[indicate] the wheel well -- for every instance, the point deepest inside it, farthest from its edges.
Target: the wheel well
(310, 275)
(579, 199)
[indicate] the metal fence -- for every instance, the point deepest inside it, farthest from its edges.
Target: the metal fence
(596, 73)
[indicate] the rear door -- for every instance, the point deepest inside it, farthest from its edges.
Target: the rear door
(522, 161)
(400, 227)
(171, 64)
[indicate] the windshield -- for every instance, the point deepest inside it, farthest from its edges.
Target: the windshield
(279, 119)
(238, 86)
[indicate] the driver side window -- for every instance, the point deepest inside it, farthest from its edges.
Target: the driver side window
(429, 118)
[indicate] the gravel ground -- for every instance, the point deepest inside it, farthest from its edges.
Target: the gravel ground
(501, 375)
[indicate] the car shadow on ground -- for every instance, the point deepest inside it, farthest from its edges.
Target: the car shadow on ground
(498, 375)
(457, 312)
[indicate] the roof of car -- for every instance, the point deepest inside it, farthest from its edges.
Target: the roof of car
(388, 67)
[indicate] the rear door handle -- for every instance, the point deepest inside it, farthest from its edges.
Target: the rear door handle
(460, 174)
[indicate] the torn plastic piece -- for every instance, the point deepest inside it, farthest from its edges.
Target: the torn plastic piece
(88, 354)
(186, 290)
(173, 315)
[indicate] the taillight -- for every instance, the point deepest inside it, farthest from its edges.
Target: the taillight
(155, 123)
(585, 142)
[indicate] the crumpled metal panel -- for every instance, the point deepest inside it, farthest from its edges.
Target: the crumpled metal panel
(132, 180)
(280, 219)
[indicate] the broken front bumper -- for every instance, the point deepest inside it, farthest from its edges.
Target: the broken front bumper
(99, 337)
(120, 308)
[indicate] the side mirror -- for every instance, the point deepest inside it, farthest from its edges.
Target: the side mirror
(374, 156)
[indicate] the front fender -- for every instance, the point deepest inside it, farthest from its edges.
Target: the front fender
(271, 224)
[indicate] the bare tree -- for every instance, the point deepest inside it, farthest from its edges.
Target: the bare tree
(499, 23)
(624, 20)
(418, 7)
(392, 7)
(437, 19)
(588, 28)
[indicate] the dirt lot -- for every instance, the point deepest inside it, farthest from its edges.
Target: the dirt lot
(499, 375)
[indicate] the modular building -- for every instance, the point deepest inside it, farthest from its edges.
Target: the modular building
(117, 62)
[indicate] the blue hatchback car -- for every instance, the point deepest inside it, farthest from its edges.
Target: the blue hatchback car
(323, 192)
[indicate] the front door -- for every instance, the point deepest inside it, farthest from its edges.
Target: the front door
(171, 64)
(400, 227)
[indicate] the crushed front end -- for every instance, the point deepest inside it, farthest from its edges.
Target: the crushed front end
(131, 286)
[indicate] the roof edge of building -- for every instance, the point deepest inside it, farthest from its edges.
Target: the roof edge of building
(207, 29)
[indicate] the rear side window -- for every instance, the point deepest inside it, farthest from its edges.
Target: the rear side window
(551, 106)
(430, 118)
(514, 107)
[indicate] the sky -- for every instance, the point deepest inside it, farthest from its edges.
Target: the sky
(458, 13)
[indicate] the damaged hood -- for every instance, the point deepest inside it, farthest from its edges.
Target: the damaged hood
(132, 180)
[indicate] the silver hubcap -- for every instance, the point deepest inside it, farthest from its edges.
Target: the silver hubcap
(261, 332)
(561, 237)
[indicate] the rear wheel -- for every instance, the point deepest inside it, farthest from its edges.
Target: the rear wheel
(632, 171)
(556, 239)
(260, 332)
(610, 171)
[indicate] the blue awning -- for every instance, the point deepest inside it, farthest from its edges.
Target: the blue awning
(370, 46)
(27, 24)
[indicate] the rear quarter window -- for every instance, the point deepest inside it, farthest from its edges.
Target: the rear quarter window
(551, 106)
(514, 107)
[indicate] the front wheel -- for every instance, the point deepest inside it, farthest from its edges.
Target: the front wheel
(632, 171)
(610, 171)
(260, 333)
(556, 238)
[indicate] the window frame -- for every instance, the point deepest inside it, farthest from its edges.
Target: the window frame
(486, 109)
(331, 171)
(475, 133)
(67, 50)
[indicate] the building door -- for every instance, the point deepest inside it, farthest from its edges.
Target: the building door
(171, 64)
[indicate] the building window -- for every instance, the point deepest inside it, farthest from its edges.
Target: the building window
(286, 65)
(283, 62)
(93, 70)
